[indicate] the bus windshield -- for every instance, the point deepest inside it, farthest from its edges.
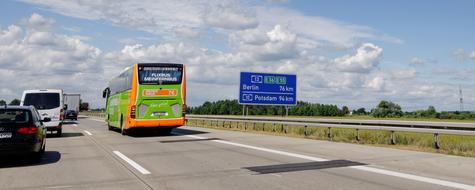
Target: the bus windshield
(42, 101)
(160, 75)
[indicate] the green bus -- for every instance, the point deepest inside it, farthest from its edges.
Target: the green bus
(147, 95)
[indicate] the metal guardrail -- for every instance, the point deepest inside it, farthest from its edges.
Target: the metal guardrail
(392, 123)
(465, 129)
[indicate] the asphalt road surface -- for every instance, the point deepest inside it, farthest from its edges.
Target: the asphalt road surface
(89, 156)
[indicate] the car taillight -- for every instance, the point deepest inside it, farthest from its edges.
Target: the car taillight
(28, 130)
(132, 112)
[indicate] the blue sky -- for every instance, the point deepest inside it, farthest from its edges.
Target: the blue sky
(355, 53)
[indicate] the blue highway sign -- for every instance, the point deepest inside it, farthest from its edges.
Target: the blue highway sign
(267, 89)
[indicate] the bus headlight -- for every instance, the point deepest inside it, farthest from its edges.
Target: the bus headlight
(176, 109)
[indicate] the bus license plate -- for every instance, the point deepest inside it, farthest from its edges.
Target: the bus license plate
(5, 135)
(159, 114)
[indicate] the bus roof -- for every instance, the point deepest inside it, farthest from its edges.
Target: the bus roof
(161, 64)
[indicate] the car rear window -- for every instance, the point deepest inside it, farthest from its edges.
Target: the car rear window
(42, 101)
(14, 116)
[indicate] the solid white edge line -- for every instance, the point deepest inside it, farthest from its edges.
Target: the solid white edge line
(131, 162)
(88, 133)
(273, 151)
(363, 168)
(415, 177)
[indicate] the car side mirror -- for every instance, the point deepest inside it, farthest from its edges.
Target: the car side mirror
(46, 119)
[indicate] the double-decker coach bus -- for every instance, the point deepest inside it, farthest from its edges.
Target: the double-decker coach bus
(147, 95)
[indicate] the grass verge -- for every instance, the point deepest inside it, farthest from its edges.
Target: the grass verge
(449, 144)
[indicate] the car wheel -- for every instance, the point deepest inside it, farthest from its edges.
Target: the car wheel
(59, 132)
(36, 157)
(42, 151)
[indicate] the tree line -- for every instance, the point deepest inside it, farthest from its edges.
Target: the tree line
(232, 107)
(14, 102)
(385, 109)
(83, 106)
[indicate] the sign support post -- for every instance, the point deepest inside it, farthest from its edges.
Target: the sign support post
(286, 111)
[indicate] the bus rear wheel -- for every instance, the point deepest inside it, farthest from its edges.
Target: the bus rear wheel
(165, 131)
(122, 130)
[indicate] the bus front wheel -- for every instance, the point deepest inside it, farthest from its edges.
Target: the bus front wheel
(108, 124)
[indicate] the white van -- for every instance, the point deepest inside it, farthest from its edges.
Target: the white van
(49, 103)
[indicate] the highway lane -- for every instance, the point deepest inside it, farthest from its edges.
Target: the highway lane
(197, 158)
(73, 160)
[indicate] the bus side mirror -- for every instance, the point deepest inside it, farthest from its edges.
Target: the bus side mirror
(105, 93)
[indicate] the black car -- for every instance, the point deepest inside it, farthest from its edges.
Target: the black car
(22, 132)
(71, 114)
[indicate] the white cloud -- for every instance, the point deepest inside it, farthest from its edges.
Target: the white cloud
(403, 73)
(418, 61)
(170, 19)
(277, 1)
(366, 59)
(166, 18)
(188, 32)
(421, 61)
(10, 35)
(45, 59)
(231, 16)
(376, 83)
(459, 54)
(320, 29)
(37, 21)
(273, 45)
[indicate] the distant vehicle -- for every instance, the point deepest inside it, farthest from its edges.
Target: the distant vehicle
(22, 131)
(71, 102)
(147, 95)
(71, 114)
(49, 103)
